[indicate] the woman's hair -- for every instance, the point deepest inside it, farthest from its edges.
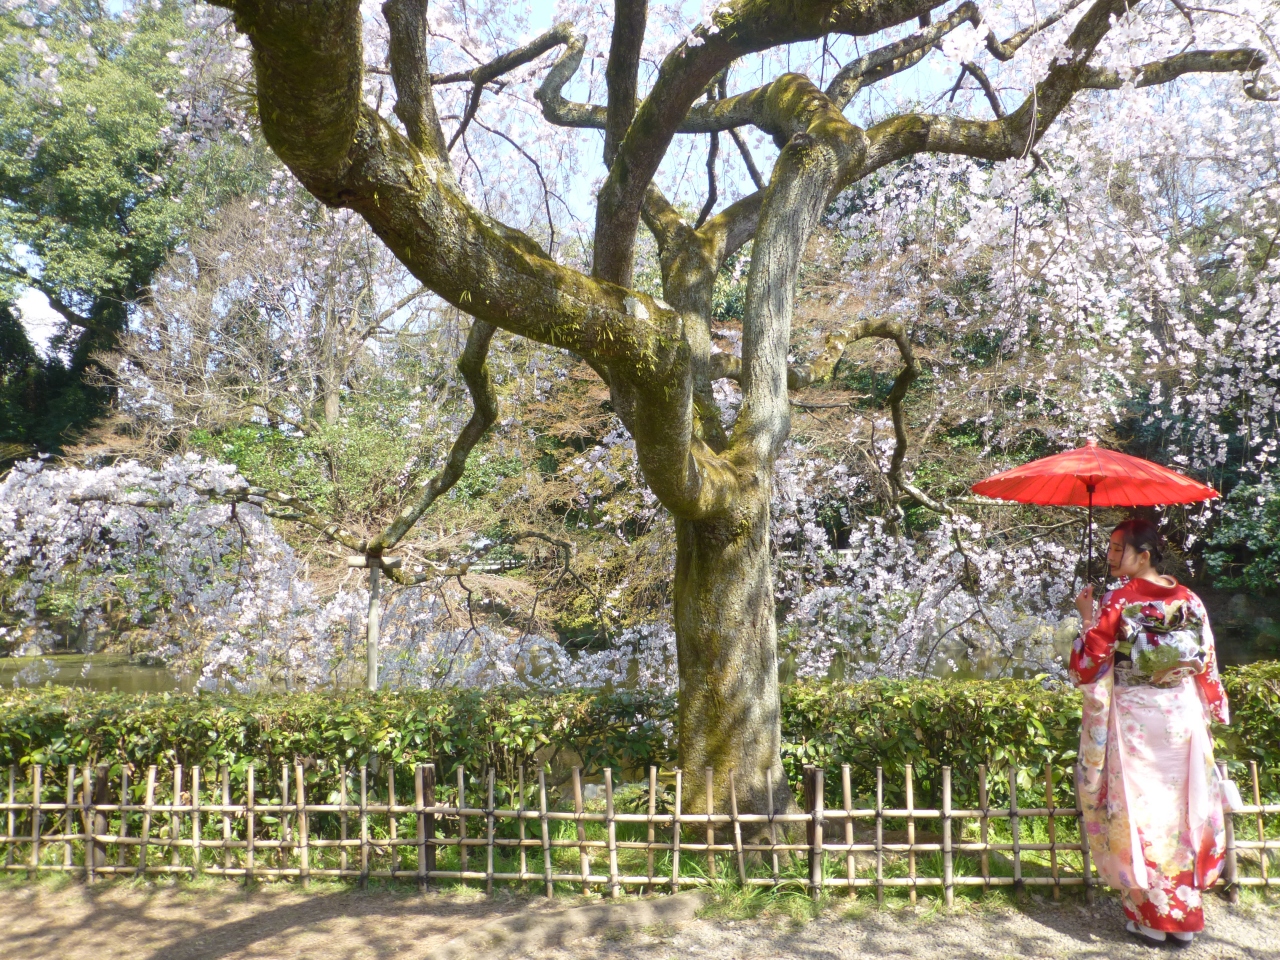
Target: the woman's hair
(1141, 535)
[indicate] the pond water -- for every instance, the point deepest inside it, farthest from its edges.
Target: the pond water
(1246, 628)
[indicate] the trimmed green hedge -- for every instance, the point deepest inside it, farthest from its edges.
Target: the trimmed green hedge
(927, 723)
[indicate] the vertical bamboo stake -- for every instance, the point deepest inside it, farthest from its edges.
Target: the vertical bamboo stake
(429, 786)
(524, 859)
(304, 825)
(675, 836)
(8, 836)
(653, 808)
(462, 820)
(611, 835)
(37, 772)
(68, 816)
(948, 865)
(584, 864)
(1086, 866)
(984, 824)
(816, 857)
(283, 833)
(709, 775)
(880, 835)
(546, 832)
(911, 834)
(773, 827)
(737, 829)
(419, 802)
(250, 827)
(197, 867)
(846, 790)
(124, 816)
(90, 845)
(175, 827)
(148, 803)
(393, 828)
(1015, 828)
(226, 817)
(342, 820)
(1233, 874)
(364, 825)
(1262, 836)
(1053, 830)
(488, 867)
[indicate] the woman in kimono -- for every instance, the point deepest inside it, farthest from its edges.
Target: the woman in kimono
(1146, 778)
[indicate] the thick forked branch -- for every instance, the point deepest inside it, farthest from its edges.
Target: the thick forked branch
(623, 71)
(415, 105)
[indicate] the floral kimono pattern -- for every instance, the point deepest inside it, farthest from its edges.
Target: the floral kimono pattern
(1146, 777)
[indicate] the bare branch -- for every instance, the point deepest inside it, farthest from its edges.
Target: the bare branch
(1004, 50)
(743, 149)
(55, 302)
(415, 106)
(1162, 71)
(561, 33)
(985, 82)
(713, 148)
(622, 72)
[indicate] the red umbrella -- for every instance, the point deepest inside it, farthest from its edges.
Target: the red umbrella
(1093, 476)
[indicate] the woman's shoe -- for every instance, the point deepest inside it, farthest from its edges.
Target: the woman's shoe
(1146, 934)
(1181, 939)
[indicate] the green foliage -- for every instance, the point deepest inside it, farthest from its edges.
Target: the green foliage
(107, 157)
(927, 723)
(1248, 538)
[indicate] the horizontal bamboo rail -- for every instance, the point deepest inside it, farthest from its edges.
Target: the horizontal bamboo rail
(81, 820)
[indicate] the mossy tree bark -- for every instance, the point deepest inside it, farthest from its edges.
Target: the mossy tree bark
(655, 355)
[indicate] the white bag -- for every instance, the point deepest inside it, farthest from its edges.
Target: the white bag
(1231, 797)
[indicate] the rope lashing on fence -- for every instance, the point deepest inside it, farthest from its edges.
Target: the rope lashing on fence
(284, 825)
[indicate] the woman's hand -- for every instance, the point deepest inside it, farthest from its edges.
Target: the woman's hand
(1084, 604)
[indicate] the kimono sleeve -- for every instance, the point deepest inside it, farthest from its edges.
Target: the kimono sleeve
(1209, 682)
(1092, 653)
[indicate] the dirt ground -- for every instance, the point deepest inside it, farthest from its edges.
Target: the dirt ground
(223, 922)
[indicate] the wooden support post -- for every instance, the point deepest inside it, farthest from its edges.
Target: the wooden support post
(737, 829)
(948, 864)
(524, 859)
(96, 786)
(364, 825)
(68, 816)
(175, 818)
(226, 818)
(709, 775)
(250, 824)
(9, 837)
(584, 864)
(653, 800)
(984, 827)
(911, 834)
(846, 791)
(773, 827)
(124, 816)
(818, 813)
(880, 835)
(197, 864)
(304, 825)
(393, 827)
(675, 836)
(1233, 867)
(611, 835)
(148, 803)
(419, 803)
(37, 772)
(1262, 833)
(342, 820)
(546, 832)
(462, 820)
(284, 835)
(1053, 830)
(429, 785)
(1015, 828)
(488, 868)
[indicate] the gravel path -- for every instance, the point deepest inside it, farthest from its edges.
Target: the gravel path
(122, 921)
(1038, 930)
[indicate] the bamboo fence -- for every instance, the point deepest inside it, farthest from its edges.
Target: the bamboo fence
(84, 821)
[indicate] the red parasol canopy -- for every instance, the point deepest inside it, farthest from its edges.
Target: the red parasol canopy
(1116, 479)
(1092, 476)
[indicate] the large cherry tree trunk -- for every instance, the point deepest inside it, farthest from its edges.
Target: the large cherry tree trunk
(727, 641)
